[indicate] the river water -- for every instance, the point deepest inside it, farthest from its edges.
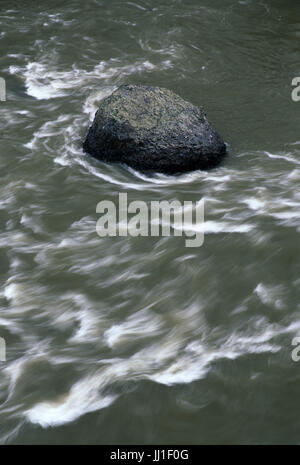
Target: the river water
(122, 340)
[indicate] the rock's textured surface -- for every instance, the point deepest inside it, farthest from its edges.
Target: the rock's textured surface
(153, 129)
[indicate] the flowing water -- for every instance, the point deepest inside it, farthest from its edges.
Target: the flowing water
(122, 340)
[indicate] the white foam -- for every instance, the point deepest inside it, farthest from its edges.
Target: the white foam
(286, 157)
(271, 295)
(138, 325)
(46, 131)
(294, 174)
(91, 104)
(11, 291)
(287, 215)
(253, 203)
(194, 362)
(216, 227)
(83, 398)
(171, 360)
(44, 82)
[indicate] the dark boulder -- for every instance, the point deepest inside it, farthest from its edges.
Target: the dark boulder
(153, 129)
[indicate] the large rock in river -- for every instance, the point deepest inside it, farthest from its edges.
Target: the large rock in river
(153, 129)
